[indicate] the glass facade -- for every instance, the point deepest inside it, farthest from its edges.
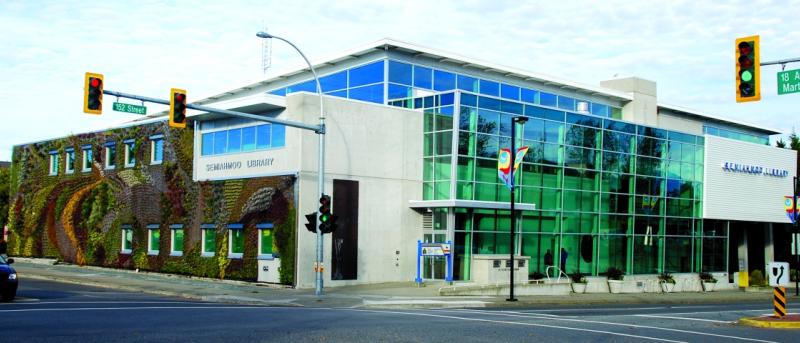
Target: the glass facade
(607, 193)
(738, 135)
(243, 139)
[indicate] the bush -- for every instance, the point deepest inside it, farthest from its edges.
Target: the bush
(757, 278)
(666, 277)
(578, 278)
(614, 273)
(707, 277)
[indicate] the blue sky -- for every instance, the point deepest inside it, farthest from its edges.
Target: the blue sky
(147, 47)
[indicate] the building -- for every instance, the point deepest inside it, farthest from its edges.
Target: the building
(613, 178)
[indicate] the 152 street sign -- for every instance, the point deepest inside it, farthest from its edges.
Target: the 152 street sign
(789, 82)
(129, 108)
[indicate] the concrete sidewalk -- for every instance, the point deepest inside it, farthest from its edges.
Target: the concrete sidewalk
(391, 295)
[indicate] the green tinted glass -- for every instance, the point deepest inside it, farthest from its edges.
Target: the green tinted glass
(177, 240)
(266, 242)
(209, 241)
(237, 241)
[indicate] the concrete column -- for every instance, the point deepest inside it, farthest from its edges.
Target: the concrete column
(643, 109)
(769, 246)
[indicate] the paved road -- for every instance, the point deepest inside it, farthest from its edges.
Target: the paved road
(48, 311)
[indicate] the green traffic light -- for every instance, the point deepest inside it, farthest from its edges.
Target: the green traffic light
(747, 76)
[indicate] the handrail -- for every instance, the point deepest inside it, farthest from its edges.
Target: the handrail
(560, 272)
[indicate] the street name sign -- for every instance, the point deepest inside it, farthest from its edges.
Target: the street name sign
(129, 108)
(789, 82)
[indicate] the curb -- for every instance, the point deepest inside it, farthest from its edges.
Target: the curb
(760, 323)
(208, 298)
(422, 304)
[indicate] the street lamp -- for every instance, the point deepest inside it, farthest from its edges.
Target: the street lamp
(321, 133)
(514, 121)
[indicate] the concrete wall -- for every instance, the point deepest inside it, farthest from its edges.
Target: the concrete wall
(381, 148)
(746, 196)
(643, 109)
(678, 123)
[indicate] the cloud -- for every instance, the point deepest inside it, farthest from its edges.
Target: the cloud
(146, 47)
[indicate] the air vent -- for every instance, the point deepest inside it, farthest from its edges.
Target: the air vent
(427, 221)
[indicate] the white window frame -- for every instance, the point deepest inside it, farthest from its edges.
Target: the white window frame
(110, 163)
(54, 163)
(264, 227)
(153, 141)
(126, 229)
(150, 229)
(128, 157)
(87, 159)
(203, 229)
(69, 166)
(231, 229)
(172, 229)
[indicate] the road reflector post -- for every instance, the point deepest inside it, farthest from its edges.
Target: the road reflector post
(779, 301)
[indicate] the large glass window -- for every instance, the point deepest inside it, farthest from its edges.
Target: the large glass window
(246, 139)
(366, 74)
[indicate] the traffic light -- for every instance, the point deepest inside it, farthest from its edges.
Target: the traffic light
(312, 222)
(331, 226)
(748, 69)
(93, 93)
(324, 212)
(177, 108)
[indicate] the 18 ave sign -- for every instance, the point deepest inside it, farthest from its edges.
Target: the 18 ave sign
(789, 82)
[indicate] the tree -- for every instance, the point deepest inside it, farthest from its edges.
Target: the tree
(780, 143)
(794, 141)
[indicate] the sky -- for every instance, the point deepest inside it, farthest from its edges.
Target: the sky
(208, 47)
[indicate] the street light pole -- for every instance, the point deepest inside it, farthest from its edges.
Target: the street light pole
(321, 180)
(796, 241)
(512, 230)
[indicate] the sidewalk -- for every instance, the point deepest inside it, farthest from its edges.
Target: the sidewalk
(391, 295)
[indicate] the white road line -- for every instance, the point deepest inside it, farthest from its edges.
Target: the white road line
(519, 314)
(595, 309)
(684, 318)
(517, 323)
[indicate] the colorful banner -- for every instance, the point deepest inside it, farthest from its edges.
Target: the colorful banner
(792, 208)
(504, 164)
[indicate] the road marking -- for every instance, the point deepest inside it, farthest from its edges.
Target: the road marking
(520, 314)
(593, 309)
(108, 302)
(518, 323)
(684, 318)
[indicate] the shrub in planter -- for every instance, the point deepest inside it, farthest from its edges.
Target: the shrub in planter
(578, 283)
(614, 273)
(707, 277)
(667, 282)
(757, 278)
(536, 276)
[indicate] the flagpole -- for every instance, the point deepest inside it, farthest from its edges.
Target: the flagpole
(511, 243)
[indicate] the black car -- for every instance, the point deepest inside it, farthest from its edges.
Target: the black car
(8, 279)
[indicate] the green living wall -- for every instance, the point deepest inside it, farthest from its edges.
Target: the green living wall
(78, 217)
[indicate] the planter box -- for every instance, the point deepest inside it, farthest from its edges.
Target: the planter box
(667, 287)
(708, 286)
(626, 286)
(615, 286)
(579, 288)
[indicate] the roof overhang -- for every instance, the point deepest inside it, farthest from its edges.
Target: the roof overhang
(489, 205)
(695, 113)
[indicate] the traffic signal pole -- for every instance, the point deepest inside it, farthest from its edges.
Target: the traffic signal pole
(304, 126)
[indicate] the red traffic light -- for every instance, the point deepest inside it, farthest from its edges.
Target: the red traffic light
(94, 82)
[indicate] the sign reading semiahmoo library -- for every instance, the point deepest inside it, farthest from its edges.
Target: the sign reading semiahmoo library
(257, 163)
(754, 169)
(789, 82)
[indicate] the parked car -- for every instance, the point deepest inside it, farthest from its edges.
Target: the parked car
(8, 279)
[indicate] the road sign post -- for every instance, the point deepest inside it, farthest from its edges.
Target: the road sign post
(789, 82)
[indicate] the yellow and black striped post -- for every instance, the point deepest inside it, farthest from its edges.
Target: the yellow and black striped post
(779, 299)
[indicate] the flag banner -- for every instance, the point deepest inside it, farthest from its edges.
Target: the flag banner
(791, 208)
(504, 170)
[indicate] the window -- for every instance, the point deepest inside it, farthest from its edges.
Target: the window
(111, 155)
(246, 139)
(53, 163)
(264, 239)
(176, 241)
(69, 167)
(153, 238)
(127, 239)
(235, 240)
(87, 158)
(130, 157)
(209, 242)
(156, 149)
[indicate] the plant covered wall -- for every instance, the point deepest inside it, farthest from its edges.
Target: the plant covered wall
(78, 217)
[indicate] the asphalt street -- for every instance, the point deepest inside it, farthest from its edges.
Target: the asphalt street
(49, 311)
